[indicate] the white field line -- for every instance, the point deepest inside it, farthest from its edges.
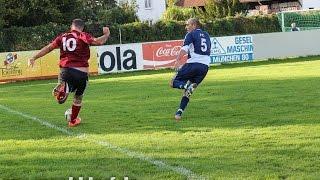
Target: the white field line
(160, 164)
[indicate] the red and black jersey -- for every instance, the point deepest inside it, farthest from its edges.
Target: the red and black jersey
(74, 48)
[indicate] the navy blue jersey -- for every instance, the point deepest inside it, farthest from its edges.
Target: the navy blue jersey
(197, 43)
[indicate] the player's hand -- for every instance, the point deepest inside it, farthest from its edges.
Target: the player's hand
(106, 31)
(31, 62)
(177, 68)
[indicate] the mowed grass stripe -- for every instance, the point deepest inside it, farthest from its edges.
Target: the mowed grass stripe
(161, 164)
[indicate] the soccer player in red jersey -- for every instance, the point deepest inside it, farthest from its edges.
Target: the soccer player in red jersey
(74, 66)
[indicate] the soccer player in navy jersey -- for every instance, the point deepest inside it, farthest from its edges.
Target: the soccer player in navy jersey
(74, 66)
(197, 45)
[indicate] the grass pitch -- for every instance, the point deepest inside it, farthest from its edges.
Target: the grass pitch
(246, 121)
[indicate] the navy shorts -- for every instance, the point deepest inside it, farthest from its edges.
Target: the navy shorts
(194, 72)
(77, 80)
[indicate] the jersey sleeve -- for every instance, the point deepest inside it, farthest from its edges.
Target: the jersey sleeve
(187, 41)
(87, 38)
(56, 42)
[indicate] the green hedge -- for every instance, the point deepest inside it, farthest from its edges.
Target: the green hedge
(28, 38)
(243, 25)
(20, 39)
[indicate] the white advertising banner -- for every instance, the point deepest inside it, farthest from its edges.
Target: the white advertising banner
(231, 49)
(119, 58)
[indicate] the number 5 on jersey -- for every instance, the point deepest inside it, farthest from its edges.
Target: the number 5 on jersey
(204, 46)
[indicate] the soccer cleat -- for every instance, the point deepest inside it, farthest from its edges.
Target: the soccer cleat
(190, 89)
(178, 115)
(61, 92)
(75, 122)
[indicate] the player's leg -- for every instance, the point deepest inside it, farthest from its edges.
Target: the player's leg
(75, 109)
(198, 72)
(61, 91)
(80, 83)
(180, 79)
(183, 104)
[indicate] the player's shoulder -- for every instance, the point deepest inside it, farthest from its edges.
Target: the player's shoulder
(191, 34)
(188, 34)
(86, 34)
(207, 34)
(86, 37)
(197, 32)
(194, 32)
(202, 31)
(60, 36)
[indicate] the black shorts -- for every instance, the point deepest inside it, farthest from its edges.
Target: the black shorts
(77, 80)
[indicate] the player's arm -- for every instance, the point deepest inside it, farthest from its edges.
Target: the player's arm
(184, 50)
(45, 50)
(102, 39)
(179, 57)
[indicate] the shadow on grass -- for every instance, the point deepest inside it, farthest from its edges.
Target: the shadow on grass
(235, 104)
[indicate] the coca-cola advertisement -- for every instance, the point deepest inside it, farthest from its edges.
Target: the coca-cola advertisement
(161, 54)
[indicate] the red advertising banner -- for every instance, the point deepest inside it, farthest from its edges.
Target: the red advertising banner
(161, 54)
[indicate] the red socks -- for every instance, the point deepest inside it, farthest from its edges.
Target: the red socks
(75, 111)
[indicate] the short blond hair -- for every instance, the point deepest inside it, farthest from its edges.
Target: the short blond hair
(194, 21)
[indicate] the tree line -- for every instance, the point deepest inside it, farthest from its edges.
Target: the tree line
(30, 24)
(29, 13)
